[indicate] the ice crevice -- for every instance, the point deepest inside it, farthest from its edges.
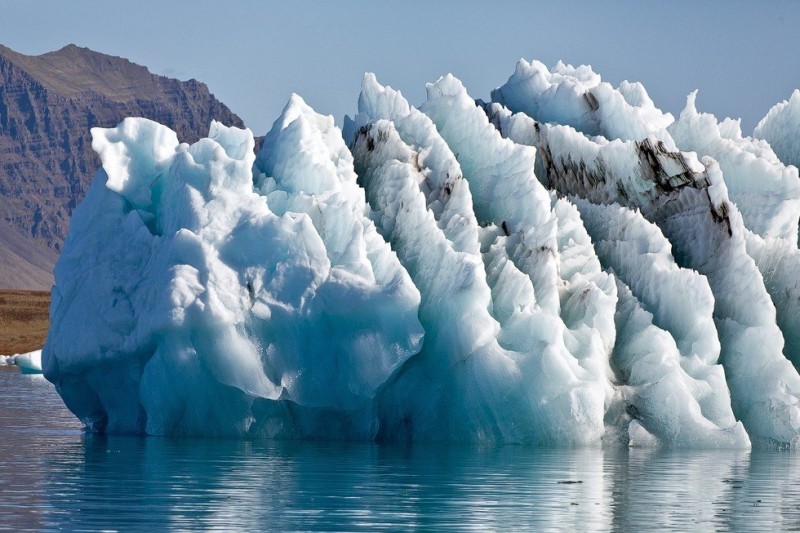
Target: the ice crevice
(562, 265)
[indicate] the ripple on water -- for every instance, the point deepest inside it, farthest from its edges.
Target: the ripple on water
(53, 476)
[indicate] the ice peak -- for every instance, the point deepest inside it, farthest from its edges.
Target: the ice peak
(690, 109)
(447, 85)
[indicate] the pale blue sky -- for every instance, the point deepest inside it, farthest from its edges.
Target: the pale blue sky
(743, 56)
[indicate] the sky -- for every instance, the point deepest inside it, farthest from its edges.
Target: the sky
(742, 56)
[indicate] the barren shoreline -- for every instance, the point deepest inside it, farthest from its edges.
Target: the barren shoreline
(23, 320)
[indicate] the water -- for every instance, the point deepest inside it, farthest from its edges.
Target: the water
(52, 476)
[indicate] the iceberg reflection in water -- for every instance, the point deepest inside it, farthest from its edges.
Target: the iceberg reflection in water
(53, 476)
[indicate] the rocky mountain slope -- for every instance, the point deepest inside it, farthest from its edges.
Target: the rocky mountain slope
(48, 103)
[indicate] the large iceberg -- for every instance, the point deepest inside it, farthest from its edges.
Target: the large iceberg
(563, 265)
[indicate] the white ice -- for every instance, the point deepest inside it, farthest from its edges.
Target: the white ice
(781, 129)
(28, 363)
(766, 192)
(495, 338)
(547, 268)
(202, 300)
(688, 200)
(578, 97)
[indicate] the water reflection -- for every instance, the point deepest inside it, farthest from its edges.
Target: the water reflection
(52, 476)
(256, 485)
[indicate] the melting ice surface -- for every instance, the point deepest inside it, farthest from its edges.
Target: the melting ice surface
(562, 265)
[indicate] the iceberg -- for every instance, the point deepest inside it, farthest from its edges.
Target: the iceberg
(217, 300)
(565, 264)
(781, 127)
(28, 363)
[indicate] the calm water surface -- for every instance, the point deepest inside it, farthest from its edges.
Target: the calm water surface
(52, 476)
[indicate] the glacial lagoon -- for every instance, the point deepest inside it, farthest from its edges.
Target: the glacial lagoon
(55, 476)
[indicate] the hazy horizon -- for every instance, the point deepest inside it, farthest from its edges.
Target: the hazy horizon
(254, 55)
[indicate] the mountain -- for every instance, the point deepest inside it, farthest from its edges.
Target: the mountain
(48, 104)
(24, 262)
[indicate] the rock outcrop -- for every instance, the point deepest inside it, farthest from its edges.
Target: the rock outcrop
(48, 104)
